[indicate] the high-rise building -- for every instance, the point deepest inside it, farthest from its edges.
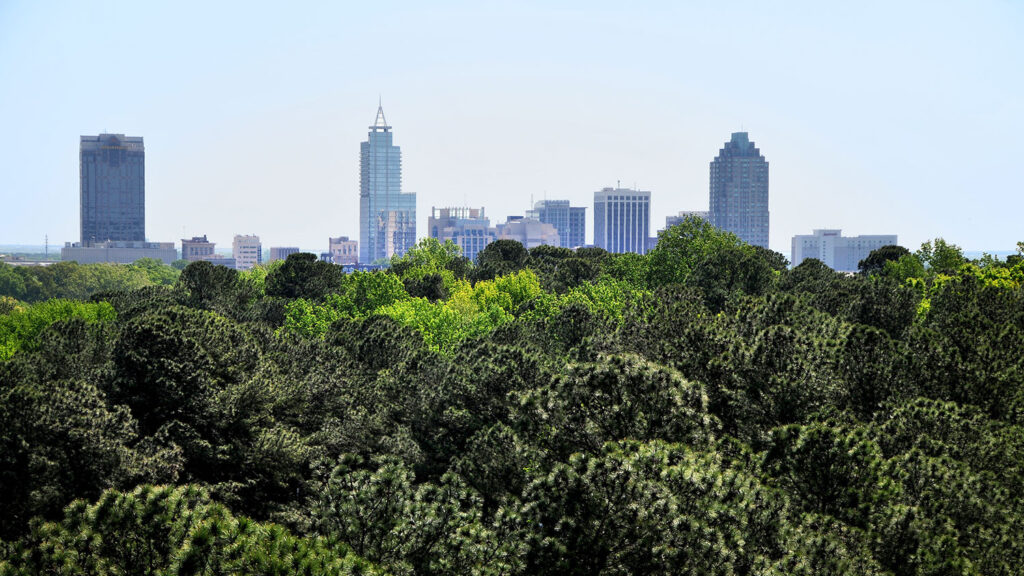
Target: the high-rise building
(622, 220)
(343, 251)
(247, 251)
(570, 221)
(113, 189)
(387, 217)
(838, 252)
(197, 248)
(739, 191)
(467, 227)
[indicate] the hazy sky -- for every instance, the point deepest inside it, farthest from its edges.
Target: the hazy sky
(876, 117)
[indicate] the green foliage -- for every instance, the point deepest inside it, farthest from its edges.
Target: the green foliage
(685, 246)
(70, 280)
(171, 530)
(20, 326)
(698, 410)
(876, 261)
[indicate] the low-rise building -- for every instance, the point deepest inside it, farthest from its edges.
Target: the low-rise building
(343, 251)
(118, 252)
(530, 232)
(841, 253)
(282, 252)
(197, 248)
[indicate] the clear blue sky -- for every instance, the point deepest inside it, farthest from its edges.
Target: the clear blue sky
(876, 117)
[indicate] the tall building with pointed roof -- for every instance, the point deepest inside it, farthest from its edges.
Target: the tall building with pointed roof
(387, 217)
(739, 191)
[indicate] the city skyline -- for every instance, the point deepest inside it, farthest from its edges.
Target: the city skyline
(913, 133)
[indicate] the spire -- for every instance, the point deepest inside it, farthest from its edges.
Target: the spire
(380, 124)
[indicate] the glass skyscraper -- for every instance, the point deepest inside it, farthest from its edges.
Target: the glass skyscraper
(387, 217)
(113, 189)
(739, 191)
(622, 220)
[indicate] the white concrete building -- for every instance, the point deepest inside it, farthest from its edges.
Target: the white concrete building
(838, 252)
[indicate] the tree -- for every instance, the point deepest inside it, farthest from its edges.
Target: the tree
(171, 530)
(941, 257)
(683, 247)
(303, 276)
(499, 258)
(875, 262)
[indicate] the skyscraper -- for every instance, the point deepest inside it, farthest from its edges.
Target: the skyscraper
(387, 217)
(113, 189)
(622, 220)
(570, 221)
(739, 191)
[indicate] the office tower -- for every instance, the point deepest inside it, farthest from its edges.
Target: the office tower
(739, 191)
(841, 253)
(387, 217)
(113, 189)
(343, 251)
(197, 248)
(570, 221)
(622, 220)
(467, 227)
(282, 252)
(247, 250)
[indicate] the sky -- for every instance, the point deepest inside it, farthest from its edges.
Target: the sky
(875, 117)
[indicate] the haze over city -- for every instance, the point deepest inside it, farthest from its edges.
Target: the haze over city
(875, 118)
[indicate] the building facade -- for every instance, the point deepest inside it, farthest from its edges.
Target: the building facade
(387, 217)
(112, 171)
(570, 221)
(197, 248)
(671, 221)
(739, 191)
(469, 228)
(841, 253)
(247, 251)
(530, 232)
(622, 220)
(119, 252)
(282, 252)
(343, 251)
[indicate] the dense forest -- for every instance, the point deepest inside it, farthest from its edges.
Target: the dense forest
(702, 410)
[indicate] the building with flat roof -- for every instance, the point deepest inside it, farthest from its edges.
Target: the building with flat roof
(570, 221)
(671, 221)
(343, 251)
(387, 216)
(838, 252)
(247, 251)
(469, 228)
(197, 248)
(282, 252)
(622, 220)
(118, 252)
(739, 191)
(530, 232)
(112, 172)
